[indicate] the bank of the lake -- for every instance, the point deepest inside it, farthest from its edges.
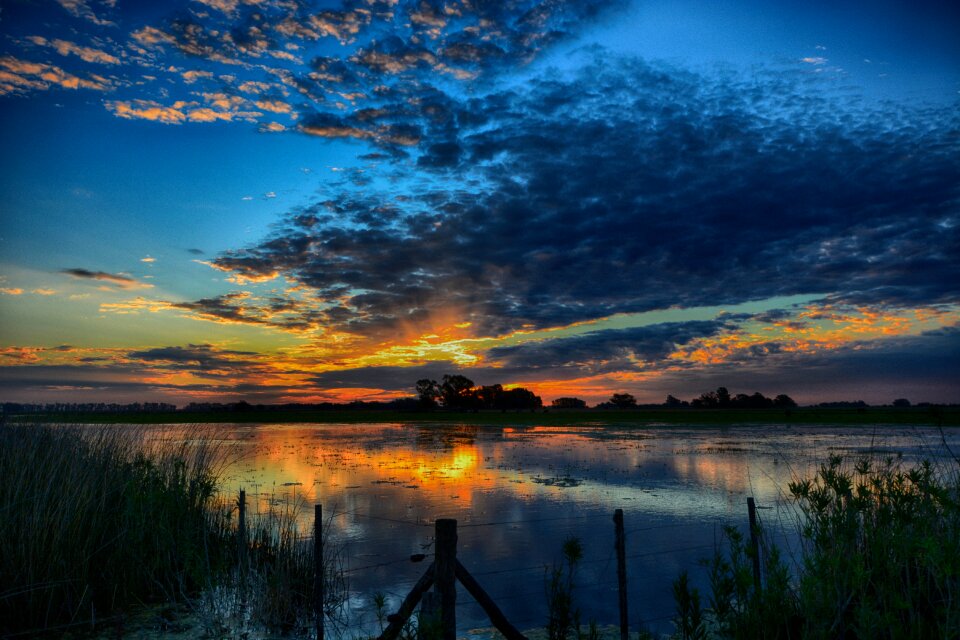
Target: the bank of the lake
(518, 493)
(910, 416)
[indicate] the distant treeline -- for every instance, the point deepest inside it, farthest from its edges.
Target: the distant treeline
(88, 407)
(455, 393)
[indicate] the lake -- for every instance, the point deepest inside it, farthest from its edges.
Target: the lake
(519, 492)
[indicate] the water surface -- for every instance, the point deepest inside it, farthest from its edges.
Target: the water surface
(519, 492)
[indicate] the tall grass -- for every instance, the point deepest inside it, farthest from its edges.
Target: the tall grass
(271, 586)
(880, 559)
(94, 520)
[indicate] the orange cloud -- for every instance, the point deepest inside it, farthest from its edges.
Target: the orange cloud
(67, 48)
(18, 75)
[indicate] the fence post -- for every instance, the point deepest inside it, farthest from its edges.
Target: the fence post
(620, 543)
(429, 608)
(754, 543)
(445, 575)
(318, 568)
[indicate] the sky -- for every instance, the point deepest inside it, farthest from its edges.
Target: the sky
(292, 201)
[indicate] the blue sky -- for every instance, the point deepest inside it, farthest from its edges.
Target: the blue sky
(283, 200)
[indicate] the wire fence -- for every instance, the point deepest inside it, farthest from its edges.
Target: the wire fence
(517, 579)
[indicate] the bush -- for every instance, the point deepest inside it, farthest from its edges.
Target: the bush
(881, 559)
(882, 555)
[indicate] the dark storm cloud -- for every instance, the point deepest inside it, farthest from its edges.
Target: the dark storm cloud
(607, 350)
(120, 280)
(194, 356)
(922, 368)
(97, 275)
(628, 187)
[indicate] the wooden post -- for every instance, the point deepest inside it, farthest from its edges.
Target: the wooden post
(620, 543)
(754, 543)
(493, 611)
(406, 607)
(429, 615)
(446, 569)
(318, 568)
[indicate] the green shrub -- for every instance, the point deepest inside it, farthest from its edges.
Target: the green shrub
(880, 560)
(882, 554)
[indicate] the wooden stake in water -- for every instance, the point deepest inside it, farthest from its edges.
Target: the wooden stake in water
(621, 546)
(318, 568)
(445, 574)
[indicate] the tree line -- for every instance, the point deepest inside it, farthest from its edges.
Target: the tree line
(458, 392)
(719, 399)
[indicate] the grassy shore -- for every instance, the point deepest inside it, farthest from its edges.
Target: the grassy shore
(98, 524)
(919, 416)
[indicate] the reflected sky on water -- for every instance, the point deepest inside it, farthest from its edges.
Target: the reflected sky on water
(519, 492)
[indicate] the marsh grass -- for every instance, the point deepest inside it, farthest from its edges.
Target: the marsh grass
(880, 559)
(94, 520)
(272, 585)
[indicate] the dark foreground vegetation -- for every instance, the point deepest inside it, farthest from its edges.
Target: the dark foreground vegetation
(96, 522)
(880, 560)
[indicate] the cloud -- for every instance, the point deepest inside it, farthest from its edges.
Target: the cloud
(67, 48)
(605, 351)
(11, 291)
(81, 9)
(202, 358)
(222, 108)
(21, 76)
(922, 368)
(119, 280)
(628, 187)
(149, 110)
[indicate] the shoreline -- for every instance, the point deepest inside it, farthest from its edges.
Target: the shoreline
(916, 416)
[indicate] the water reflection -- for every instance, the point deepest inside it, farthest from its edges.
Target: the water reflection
(518, 492)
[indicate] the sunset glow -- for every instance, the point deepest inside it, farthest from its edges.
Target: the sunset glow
(276, 201)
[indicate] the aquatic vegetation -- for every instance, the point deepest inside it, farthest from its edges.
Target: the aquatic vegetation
(98, 521)
(880, 559)
(94, 520)
(563, 615)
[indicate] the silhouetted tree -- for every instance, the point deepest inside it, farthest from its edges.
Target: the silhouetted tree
(673, 402)
(428, 391)
(901, 403)
(623, 401)
(520, 398)
(568, 403)
(783, 401)
(723, 397)
(490, 397)
(706, 401)
(455, 391)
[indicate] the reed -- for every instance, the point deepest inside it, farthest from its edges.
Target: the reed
(94, 520)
